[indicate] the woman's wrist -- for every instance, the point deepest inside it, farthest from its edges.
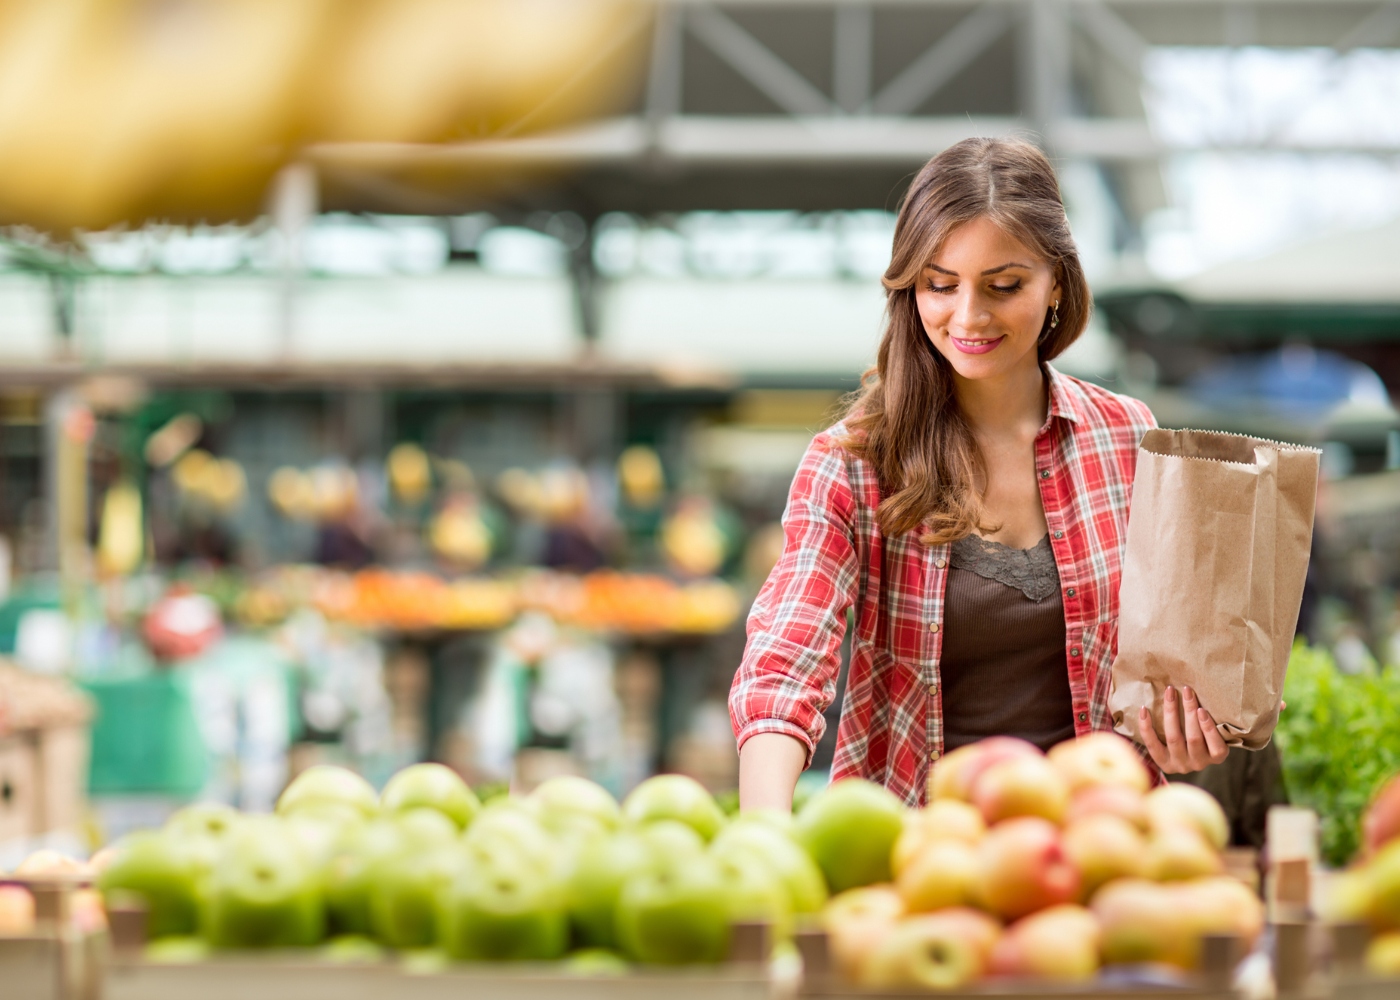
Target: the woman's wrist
(769, 765)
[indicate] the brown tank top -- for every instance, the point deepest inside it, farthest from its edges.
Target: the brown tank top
(1003, 666)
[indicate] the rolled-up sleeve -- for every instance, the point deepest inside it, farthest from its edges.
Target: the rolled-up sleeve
(793, 655)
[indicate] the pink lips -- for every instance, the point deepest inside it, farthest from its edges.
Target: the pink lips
(975, 347)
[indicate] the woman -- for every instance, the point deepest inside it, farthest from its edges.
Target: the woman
(968, 515)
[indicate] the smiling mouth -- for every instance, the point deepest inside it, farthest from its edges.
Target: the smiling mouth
(977, 345)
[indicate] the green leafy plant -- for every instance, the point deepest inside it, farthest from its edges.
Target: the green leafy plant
(1339, 739)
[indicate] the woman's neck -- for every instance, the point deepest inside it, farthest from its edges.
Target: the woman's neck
(1007, 403)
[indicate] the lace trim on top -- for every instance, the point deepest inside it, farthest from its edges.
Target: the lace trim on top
(1031, 571)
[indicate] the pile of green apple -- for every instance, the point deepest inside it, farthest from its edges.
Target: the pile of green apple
(565, 871)
(1029, 865)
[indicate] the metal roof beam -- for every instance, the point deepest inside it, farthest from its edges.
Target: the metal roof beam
(755, 62)
(943, 60)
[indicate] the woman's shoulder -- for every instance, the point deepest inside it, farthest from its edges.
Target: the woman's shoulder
(1101, 408)
(832, 459)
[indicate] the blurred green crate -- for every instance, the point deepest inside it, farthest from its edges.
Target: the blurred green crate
(145, 737)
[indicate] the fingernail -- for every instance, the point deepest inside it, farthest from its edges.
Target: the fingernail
(1170, 690)
(1202, 714)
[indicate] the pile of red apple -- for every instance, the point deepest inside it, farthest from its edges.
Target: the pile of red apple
(1028, 865)
(1369, 890)
(563, 873)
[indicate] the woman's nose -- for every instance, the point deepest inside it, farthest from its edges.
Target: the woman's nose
(969, 312)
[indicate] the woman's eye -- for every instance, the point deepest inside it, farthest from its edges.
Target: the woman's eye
(1015, 286)
(941, 289)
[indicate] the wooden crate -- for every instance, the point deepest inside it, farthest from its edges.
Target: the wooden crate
(284, 977)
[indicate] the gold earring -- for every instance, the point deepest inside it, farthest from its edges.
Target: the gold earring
(1054, 315)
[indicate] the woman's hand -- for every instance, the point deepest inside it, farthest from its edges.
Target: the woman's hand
(1192, 739)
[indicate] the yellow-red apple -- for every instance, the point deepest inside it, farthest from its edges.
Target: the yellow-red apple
(945, 873)
(954, 775)
(936, 951)
(16, 911)
(1025, 868)
(1115, 800)
(1222, 905)
(1100, 759)
(1382, 822)
(1104, 847)
(1141, 922)
(1180, 852)
(1021, 786)
(856, 920)
(1059, 944)
(944, 819)
(1179, 804)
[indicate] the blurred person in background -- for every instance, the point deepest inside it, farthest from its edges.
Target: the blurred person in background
(971, 510)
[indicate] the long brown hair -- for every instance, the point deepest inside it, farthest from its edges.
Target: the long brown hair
(905, 420)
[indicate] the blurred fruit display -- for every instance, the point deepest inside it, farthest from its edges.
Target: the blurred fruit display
(181, 625)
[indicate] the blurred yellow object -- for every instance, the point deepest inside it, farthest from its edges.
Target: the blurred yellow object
(121, 536)
(121, 110)
(429, 70)
(458, 535)
(173, 440)
(1383, 955)
(118, 111)
(706, 606)
(335, 491)
(478, 604)
(640, 473)
(212, 482)
(410, 474)
(520, 490)
(693, 542)
(290, 491)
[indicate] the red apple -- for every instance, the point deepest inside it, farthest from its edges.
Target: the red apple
(945, 873)
(1025, 868)
(1382, 822)
(1104, 847)
(931, 951)
(1021, 786)
(1222, 905)
(1059, 944)
(954, 775)
(1100, 759)
(944, 819)
(1114, 800)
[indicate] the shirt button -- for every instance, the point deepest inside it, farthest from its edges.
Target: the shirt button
(1070, 592)
(933, 755)
(933, 689)
(1059, 534)
(1073, 651)
(1083, 716)
(933, 626)
(940, 563)
(1044, 473)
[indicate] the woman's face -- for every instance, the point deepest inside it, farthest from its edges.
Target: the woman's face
(983, 300)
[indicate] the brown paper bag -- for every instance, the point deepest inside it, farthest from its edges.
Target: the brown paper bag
(1218, 540)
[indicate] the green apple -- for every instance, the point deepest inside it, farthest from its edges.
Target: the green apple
(674, 796)
(431, 786)
(264, 892)
(425, 827)
(325, 784)
(850, 829)
(569, 804)
(675, 914)
(603, 867)
(185, 950)
(508, 909)
(349, 873)
(351, 949)
(775, 819)
(595, 962)
(318, 832)
(205, 819)
(803, 880)
(511, 831)
(669, 838)
(164, 873)
(404, 891)
(754, 892)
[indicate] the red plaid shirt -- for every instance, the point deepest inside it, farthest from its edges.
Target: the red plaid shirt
(836, 560)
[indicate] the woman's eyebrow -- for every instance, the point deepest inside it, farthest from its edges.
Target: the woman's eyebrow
(990, 270)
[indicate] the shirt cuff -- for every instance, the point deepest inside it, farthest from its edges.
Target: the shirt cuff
(782, 726)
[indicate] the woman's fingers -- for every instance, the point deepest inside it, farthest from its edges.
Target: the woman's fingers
(1197, 754)
(1214, 743)
(1171, 723)
(1155, 750)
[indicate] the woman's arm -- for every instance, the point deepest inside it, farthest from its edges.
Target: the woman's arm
(769, 764)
